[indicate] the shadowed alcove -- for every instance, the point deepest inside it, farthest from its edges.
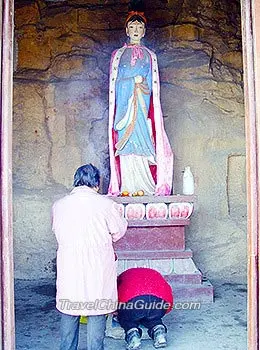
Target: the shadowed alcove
(62, 53)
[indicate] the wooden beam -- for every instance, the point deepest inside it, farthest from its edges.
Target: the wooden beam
(251, 60)
(7, 275)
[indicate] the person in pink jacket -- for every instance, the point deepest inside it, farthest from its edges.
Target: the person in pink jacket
(86, 224)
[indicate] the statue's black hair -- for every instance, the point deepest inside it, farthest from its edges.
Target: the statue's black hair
(135, 18)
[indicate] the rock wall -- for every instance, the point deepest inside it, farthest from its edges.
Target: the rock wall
(62, 53)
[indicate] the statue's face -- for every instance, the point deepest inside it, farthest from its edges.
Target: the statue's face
(136, 31)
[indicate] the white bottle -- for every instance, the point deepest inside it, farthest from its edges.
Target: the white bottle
(188, 182)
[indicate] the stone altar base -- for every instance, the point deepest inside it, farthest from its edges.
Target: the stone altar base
(160, 244)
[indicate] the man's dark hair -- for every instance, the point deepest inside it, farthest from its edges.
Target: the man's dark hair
(87, 175)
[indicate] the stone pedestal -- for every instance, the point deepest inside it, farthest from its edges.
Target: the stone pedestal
(160, 244)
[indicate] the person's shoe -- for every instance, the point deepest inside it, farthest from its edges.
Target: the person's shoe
(133, 339)
(159, 337)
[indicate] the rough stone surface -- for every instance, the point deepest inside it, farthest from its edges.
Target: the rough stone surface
(35, 246)
(62, 53)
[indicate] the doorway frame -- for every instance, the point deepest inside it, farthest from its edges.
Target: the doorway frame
(6, 241)
(250, 21)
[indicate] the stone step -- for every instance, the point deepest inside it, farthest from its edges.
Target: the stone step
(179, 271)
(153, 254)
(194, 278)
(186, 294)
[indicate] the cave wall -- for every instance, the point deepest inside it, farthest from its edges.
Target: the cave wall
(61, 65)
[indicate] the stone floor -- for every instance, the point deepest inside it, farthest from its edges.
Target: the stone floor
(216, 326)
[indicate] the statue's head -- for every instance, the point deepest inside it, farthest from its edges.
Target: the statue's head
(135, 26)
(136, 16)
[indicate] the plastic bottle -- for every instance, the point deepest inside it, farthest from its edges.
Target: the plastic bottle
(188, 182)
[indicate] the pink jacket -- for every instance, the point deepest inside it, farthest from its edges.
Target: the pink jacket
(85, 224)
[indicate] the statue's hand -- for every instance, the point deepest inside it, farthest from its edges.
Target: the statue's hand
(138, 79)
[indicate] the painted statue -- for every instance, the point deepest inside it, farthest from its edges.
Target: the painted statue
(140, 154)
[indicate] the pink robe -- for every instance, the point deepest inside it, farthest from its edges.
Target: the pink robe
(85, 224)
(163, 171)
